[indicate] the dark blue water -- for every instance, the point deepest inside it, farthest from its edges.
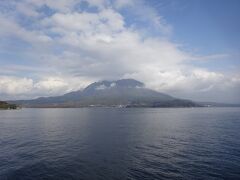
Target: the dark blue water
(108, 143)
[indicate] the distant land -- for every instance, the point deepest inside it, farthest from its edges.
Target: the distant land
(217, 104)
(5, 105)
(121, 93)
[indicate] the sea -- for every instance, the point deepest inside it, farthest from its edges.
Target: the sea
(120, 143)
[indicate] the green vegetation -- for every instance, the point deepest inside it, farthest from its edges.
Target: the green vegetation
(5, 105)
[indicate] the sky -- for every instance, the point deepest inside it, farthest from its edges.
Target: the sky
(188, 49)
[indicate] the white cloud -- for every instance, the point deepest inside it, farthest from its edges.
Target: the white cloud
(15, 85)
(26, 88)
(124, 3)
(52, 84)
(210, 57)
(60, 5)
(87, 23)
(9, 28)
(27, 9)
(101, 87)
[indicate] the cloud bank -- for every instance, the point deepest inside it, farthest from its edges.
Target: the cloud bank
(51, 48)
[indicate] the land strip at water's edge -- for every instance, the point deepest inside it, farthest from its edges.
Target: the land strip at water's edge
(5, 105)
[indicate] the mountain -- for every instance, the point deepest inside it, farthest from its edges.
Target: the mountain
(120, 93)
(5, 105)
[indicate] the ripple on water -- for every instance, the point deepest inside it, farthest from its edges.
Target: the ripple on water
(120, 144)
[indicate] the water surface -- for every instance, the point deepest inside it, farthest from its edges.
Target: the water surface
(111, 143)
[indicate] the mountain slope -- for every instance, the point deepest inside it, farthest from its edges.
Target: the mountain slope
(125, 92)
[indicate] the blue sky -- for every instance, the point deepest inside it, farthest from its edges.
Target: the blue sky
(197, 19)
(187, 48)
(207, 27)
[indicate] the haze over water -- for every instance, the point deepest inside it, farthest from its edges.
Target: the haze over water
(112, 143)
